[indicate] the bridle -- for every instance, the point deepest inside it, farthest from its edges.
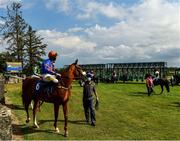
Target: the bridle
(80, 72)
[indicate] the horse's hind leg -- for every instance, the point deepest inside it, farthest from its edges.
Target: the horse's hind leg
(34, 113)
(65, 111)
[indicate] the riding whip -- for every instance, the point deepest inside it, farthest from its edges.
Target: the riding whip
(97, 105)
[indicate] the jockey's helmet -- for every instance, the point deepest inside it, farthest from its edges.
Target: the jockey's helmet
(157, 72)
(52, 55)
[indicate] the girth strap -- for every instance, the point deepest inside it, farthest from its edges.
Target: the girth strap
(62, 87)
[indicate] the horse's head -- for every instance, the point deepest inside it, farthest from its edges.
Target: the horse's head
(76, 71)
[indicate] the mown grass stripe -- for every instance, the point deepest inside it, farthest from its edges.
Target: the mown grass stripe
(125, 112)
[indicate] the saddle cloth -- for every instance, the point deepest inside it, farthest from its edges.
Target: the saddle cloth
(44, 87)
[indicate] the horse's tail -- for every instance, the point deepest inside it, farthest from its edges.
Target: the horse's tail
(24, 86)
(27, 90)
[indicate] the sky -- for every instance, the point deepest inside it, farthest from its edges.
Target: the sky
(106, 31)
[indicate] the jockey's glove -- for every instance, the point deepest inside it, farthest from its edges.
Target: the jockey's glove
(58, 75)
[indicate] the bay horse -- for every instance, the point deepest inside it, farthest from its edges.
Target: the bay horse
(162, 82)
(59, 96)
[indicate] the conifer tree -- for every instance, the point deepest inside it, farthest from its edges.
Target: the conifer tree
(13, 31)
(34, 50)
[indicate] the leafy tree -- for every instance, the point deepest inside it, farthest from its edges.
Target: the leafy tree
(13, 31)
(34, 50)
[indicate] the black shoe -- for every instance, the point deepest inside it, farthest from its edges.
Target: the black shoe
(87, 122)
(93, 124)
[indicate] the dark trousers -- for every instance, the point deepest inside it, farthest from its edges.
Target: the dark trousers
(89, 109)
(150, 90)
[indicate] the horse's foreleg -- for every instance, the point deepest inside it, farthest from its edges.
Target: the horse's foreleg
(56, 112)
(34, 113)
(65, 111)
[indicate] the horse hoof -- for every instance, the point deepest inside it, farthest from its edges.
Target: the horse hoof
(57, 130)
(36, 126)
(66, 134)
(27, 120)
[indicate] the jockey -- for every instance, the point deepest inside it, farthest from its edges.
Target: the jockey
(114, 73)
(156, 75)
(48, 69)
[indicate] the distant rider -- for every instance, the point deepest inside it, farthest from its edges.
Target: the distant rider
(156, 75)
(48, 69)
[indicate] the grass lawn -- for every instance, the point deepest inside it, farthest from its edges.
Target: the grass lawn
(125, 112)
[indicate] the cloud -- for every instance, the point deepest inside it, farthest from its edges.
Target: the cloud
(5, 3)
(86, 9)
(92, 9)
(3, 44)
(75, 29)
(67, 45)
(146, 31)
(29, 5)
(2, 22)
(149, 30)
(59, 5)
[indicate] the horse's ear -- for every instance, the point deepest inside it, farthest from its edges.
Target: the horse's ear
(76, 62)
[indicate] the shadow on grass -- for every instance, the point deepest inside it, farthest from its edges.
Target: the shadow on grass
(137, 93)
(24, 129)
(174, 104)
(78, 122)
(143, 93)
(131, 82)
(15, 107)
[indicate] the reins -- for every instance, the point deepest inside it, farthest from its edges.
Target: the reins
(70, 77)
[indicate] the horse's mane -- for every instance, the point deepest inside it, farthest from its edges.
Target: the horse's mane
(64, 75)
(63, 71)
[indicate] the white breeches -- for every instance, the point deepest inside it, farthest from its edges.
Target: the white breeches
(49, 77)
